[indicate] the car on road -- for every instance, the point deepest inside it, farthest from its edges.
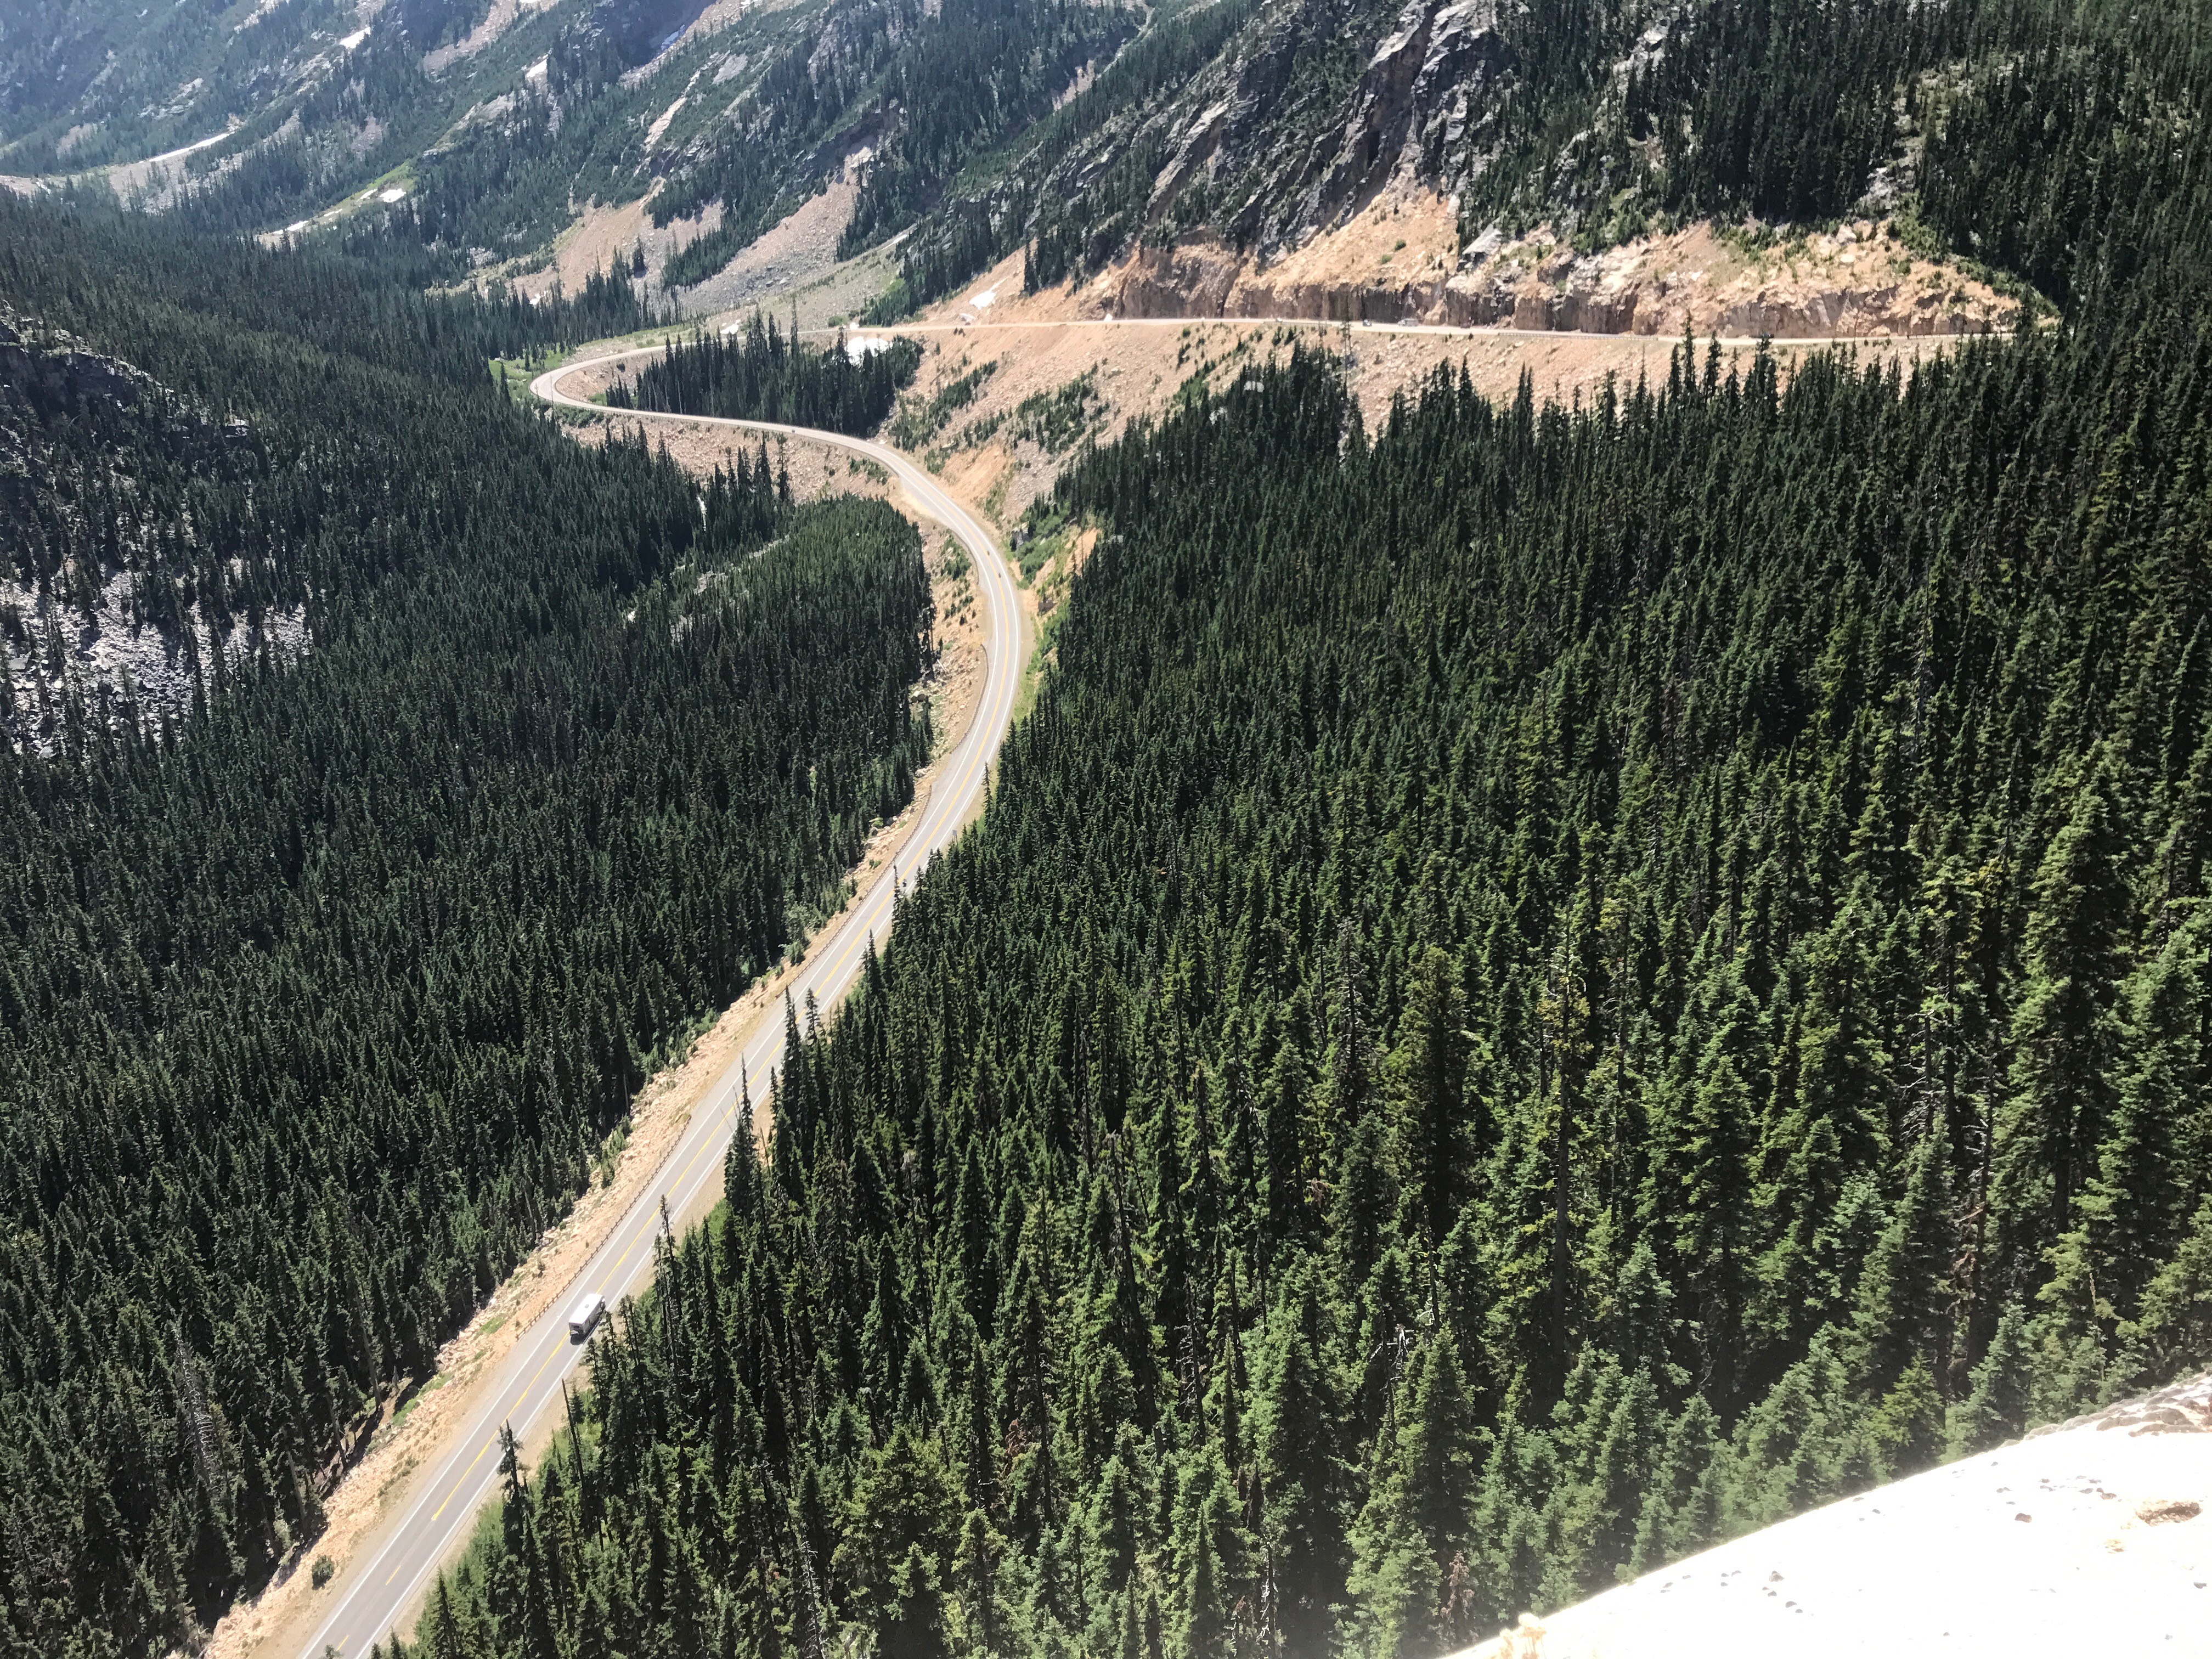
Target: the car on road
(585, 1315)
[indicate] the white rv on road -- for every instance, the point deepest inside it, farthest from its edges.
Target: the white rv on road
(585, 1315)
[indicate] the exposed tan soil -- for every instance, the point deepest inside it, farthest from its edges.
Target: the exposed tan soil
(1049, 587)
(980, 478)
(1040, 343)
(1398, 261)
(1858, 282)
(409, 1429)
(603, 233)
(1362, 270)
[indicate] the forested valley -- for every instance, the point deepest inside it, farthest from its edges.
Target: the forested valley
(1544, 985)
(320, 990)
(1539, 990)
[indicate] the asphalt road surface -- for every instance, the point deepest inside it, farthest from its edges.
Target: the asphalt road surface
(378, 1591)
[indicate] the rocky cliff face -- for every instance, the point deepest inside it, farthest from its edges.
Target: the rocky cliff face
(60, 380)
(1285, 151)
(1263, 173)
(1410, 111)
(92, 608)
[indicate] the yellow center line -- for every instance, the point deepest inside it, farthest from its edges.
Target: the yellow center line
(540, 1371)
(466, 1474)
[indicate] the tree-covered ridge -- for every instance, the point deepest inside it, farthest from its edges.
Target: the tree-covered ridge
(758, 372)
(989, 72)
(116, 276)
(162, 505)
(1036, 189)
(2059, 143)
(1534, 995)
(2026, 135)
(96, 462)
(921, 87)
(316, 1003)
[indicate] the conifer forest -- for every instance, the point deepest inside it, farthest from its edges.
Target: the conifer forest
(319, 993)
(1545, 987)
(1560, 985)
(1542, 985)
(760, 372)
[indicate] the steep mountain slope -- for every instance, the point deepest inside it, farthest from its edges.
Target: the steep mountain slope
(2008, 130)
(2009, 134)
(84, 82)
(484, 764)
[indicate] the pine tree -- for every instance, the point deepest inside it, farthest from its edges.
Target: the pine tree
(1304, 1487)
(1997, 1408)
(1904, 1292)
(2135, 1211)
(2064, 1031)
(1209, 1545)
(1414, 1521)
(1428, 1082)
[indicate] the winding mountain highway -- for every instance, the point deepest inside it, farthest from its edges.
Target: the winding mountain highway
(379, 1589)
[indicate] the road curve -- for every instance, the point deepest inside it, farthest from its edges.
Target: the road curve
(378, 1589)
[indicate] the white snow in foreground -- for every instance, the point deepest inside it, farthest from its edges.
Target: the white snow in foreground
(397, 192)
(354, 40)
(985, 300)
(2091, 1539)
(858, 348)
(535, 75)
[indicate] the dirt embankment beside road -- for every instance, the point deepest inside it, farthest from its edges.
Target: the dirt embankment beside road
(1023, 357)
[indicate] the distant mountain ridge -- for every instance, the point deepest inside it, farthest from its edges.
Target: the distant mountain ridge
(2016, 135)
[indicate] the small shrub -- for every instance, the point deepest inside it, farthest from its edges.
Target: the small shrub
(610, 1152)
(321, 1573)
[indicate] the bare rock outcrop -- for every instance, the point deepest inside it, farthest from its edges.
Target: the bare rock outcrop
(81, 631)
(1411, 103)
